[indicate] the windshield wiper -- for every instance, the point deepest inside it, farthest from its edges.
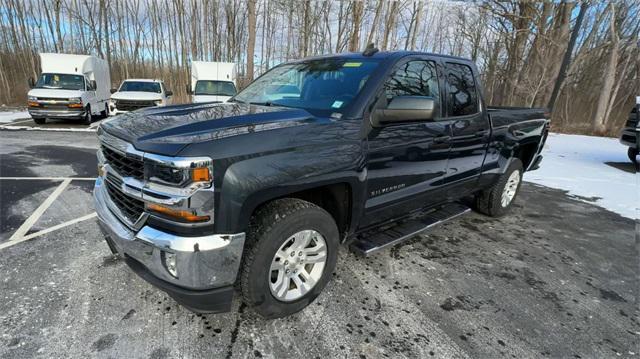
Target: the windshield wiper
(266, 103)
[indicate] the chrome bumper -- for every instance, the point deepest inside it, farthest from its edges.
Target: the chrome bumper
(51, 113)
(204, 262)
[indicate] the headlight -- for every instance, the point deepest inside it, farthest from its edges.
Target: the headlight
(33, 98)
(75, 100)
(182, 173)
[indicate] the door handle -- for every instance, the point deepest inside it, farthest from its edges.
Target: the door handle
(441, 139)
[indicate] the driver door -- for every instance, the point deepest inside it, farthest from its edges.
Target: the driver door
(407, 162)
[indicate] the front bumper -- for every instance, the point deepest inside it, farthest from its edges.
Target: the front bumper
(56, 113)
(207, 266)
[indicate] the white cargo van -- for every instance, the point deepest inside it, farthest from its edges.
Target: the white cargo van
(212, 81)
(70, 86)
(134, 94)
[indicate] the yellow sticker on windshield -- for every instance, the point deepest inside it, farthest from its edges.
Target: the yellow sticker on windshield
(352, 64)
(56, 78)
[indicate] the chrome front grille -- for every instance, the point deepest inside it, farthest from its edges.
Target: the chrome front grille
(126, 166)
(130, 207)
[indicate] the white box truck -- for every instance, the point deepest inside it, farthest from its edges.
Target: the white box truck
(70, 87)
(212, 81)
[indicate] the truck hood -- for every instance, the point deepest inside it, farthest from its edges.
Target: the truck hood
(136, 95)
(55, 93)
(166, 130)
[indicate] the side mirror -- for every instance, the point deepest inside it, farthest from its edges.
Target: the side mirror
(93, 84)
(32, 82)
(114, 90)
(188, 89)
(405, 109)
(169, 93)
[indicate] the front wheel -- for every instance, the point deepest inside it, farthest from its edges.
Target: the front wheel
(497, 200)
(87, 117)
(40, 120)
(290, 256)
(632, 153)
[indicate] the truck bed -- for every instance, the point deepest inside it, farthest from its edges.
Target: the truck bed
(504, 115)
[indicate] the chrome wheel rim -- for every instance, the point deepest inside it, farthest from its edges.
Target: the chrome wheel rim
(510, 188)
(297, 265)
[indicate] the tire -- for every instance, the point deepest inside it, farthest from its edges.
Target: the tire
(271, 229)
(105, 113)
(87, 117)
(490, 201)
(40, 120)
(632, 153)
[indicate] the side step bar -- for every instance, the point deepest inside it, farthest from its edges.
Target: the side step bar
(371, 242)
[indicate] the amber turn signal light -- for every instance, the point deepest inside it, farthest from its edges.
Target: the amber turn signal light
(33, 104)
(200, 174)
(74, 105)
(187, 216)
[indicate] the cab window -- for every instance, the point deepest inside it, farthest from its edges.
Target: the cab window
(414, 78)
(463, 95)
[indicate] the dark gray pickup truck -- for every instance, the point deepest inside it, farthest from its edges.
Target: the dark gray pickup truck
(363, 150)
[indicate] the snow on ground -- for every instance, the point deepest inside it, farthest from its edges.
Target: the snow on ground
(10, 116)
(592, 169)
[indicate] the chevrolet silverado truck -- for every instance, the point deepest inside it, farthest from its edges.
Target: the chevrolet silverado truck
(630, 135)
(362, 150)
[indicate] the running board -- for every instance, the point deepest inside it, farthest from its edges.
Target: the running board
(371, 242)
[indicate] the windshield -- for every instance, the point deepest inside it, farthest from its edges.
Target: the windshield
(327, 84)
(60, 81)
(215, 88)
(141, 86)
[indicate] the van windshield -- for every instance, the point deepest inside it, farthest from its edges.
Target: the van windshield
(60, 81)
(325, 84)
(215, 88)
(141, 86)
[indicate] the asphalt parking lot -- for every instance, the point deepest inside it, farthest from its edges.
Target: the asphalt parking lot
(556, 278)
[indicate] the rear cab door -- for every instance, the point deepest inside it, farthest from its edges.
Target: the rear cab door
(470, 127)
(407, 162)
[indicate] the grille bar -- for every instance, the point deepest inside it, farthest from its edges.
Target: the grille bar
(126, 166)
(131, 207)
(125, 105)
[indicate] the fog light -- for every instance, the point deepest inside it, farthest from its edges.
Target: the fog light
(169, 261)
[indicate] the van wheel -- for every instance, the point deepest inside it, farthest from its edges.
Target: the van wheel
(87, 117)
(40, 120)
(105, 113)
(497, 200)
(289, 257)
(632, 153)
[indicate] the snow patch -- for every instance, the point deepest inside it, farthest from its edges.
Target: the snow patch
(592, 169)
(10, 116)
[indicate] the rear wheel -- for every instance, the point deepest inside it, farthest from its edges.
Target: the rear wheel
(497, 200)
(632, 153)
(40, 120)
(291, 253)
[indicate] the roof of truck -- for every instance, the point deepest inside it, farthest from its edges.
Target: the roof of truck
(143, 80)
(380, 55)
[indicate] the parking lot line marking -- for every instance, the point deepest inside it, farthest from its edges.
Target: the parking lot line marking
(50, 178)
(24, 228)
(48, 230)
(19, 121)
(55, 129)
